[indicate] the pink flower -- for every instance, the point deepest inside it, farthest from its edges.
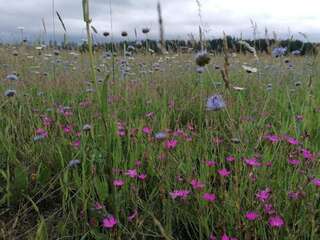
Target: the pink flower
(251, 215)
(294, 195)
(210, 163)
(41, 132)
(170, 144)
(98, 206)
(76, 144)
(118, 183)
(67, 128)
(212, 237)
(142, 176)
(147, 130)
(263, 195)
(183, 194)
(224, 172)
(85, 104)
(178, 132)
(276, 221)
(132, 173)
(109, 222)
(217, 140)
(268, 209)
(121, 133)
(197, 184)
(150, 114)
(294, 161)
(316, 182)
(307, 154)
(133, 215)
(47, 121)
(209, 197)
(292, 140)
(225, 237)
(252, 162)
(138, 163)
(66, 111)
(230, 159)
(272, 138)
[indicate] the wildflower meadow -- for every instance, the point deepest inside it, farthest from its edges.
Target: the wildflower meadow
(131, 141)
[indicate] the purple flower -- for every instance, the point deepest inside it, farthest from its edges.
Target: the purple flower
(279, 51)
(272, 138)
(224, 172)
(276, 221)
(263, 195)
(296, 52)
(133, 215)
(307, 154)
(197, 184)
(109, 222)
(183, 194)
(292, 140)
(118, 183)
(252, 162)
(209, 197)
(294, 162)
(294, 195)
(132, 173)
(316, 182)
(268, 209)
(171, 144)
(215, 103)
(160, 135)
(251, 215)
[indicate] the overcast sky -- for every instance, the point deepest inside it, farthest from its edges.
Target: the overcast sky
(180, 17)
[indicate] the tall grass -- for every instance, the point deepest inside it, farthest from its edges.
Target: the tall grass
(70, 160)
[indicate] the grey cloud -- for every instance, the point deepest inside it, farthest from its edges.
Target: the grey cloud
(180, 18)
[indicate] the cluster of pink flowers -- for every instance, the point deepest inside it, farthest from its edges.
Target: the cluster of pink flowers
(170, 144)
(121, 129)
(181, 193)
(41, 132)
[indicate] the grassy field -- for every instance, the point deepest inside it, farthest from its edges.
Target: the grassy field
(140, 156)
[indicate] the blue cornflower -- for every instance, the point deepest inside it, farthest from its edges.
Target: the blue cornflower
(215, 103)
(38, 138)
(279, 51)
(74, 163)
(12, 77)
(10, 93)
(296, 52)
(160, 135)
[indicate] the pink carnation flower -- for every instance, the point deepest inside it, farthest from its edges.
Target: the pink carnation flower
(109, 222)
(276, 221)
(209, 197)
(251, 215)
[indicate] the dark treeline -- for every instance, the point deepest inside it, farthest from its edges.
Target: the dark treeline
(214, 45)
(184, 46)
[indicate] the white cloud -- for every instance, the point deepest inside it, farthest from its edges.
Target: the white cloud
(180, 16)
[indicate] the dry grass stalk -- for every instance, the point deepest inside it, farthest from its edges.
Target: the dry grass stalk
(266, 36)
(225, 70)
(160, 21)
(251, 49)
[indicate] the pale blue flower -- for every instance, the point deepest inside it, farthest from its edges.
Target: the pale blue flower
(296, 52)
(279, 51)
(215, 103)
(12, 77)
(74, 163)
(160, 135)
(10, 93)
